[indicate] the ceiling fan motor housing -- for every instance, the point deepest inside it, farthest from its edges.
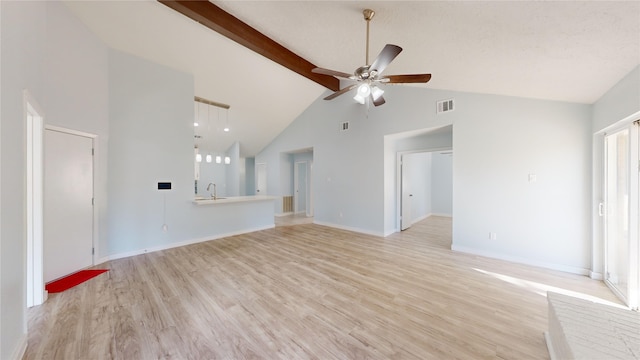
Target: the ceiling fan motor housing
(365, 73)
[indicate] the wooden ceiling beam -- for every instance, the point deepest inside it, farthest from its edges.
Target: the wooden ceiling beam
(220, 21)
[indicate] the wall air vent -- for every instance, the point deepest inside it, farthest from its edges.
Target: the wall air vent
(445, 106)
(344, 126)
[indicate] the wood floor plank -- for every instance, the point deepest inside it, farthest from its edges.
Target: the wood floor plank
(306, 292)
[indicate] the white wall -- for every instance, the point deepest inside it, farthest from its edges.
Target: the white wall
(76, 94)
(497, 141)
(23, 28)
(349, 167)
(50, 53)
(619, 102)
(212, 173)
(250, 176)
(442, 184)
(233, 170)
(151, 140)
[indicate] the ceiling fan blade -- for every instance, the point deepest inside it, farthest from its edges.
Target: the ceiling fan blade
(386, 56)
(338, 93)
(339, 74)
(379, 101)
(401, 79)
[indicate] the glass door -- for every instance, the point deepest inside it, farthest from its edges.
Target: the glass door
(621, 214)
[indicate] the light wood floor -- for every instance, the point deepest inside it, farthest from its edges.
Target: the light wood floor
(305, 292)
(296, 219)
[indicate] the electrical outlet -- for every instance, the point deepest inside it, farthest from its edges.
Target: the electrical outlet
(493, 236)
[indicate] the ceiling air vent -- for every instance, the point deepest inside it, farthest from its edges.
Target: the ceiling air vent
(344, 126)
(445, 106)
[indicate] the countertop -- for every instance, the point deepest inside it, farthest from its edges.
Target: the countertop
(232, 199)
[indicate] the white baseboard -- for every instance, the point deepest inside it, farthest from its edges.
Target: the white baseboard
(417, 220)
(348, 228)
(20, 349)
(387, 233)
(180, 243)
(520, 260)
(596, 275)
(547, 340)
(283, 214)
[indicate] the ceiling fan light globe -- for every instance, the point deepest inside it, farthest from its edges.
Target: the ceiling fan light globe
(359, 98)
(364, 90)
(376, 92)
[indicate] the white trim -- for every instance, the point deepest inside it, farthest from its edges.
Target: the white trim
(550, 348)
(625, 121)
(398, 166)
(633, 283)
(20, 349)
(520, 260)
(283, 214)
(420, 219)
(596, 275)
(34, 200)
(349, 228)
(179, 244)
(634, 215)
(70, 131)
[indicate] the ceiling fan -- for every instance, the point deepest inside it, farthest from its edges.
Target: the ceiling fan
(368, 77)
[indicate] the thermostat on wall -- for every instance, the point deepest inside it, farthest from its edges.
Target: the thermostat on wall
(164, 186)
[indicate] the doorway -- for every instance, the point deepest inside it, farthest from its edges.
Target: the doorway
(621, 192)
(425, 185)
(68, 202)
(301, 184)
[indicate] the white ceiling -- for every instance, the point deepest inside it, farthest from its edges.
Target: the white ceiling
(566, 51)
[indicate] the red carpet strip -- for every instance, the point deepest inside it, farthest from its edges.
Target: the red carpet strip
(72, 280)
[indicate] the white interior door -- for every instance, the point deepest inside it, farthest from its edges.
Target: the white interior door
(301, 182)
(406, 196)
(68, 208)
(261, 179)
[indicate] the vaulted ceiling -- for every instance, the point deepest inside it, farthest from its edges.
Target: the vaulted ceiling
(566, 51)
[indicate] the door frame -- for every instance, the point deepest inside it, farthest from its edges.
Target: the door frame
(633, 291)
(399, 155)
(34, 118)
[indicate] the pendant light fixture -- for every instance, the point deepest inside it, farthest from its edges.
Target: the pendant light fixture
(226, 126)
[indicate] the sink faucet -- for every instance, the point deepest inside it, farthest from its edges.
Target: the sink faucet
(213, 196)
